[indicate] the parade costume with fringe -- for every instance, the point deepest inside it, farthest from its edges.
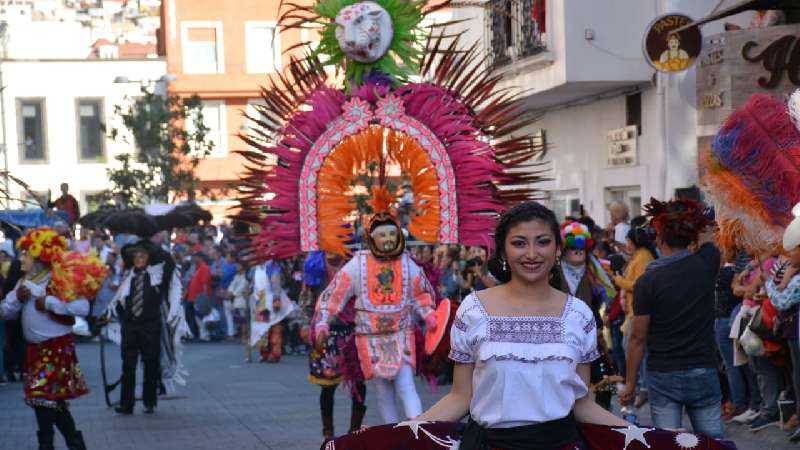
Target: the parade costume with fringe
(325, 161)
(270, 306)
(326, 363)
(162, 274)
(63, 281)
(151, 324)
(590, 283)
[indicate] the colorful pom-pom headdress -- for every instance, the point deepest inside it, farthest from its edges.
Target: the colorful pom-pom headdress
(752, 173)
(578, 236)
(73, 274)
(575, 235)
(320, 152)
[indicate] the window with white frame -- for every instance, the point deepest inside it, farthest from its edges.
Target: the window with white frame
(202, 47)
(566, 203)
(32, 129)
(631, 196)
(250, 128)
(262, 47)
(214, 119)
(90, 134)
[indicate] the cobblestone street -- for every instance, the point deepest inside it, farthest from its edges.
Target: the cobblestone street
(228, 404)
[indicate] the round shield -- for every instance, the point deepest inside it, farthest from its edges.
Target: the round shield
(434, 337)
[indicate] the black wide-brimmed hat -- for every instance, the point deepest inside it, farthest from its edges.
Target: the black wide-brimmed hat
(153, 251)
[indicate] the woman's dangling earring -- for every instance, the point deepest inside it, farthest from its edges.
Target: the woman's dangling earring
(505, 267)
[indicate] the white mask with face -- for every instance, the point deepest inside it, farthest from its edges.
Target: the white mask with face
(364, 31)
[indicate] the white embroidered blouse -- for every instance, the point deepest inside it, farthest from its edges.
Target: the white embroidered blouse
(525, 367)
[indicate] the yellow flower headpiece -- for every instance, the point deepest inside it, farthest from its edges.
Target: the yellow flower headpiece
(43, 243)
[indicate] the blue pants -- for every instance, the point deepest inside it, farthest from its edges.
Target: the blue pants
(641, 382)
(736, 380)
(697, 390)
(2, 347)
(618, 349)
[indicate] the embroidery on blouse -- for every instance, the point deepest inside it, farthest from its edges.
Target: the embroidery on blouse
(590, 326)
(460, 324)
(461, 357)
(589, 357)
(535, 359)
(526, 329)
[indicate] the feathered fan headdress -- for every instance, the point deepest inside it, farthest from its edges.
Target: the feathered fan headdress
(454, 139)
(753, 172)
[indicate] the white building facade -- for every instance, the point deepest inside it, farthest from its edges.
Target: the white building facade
(52, 115)
(581, 65)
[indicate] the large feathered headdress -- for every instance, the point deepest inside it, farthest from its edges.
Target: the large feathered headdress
(752, 173)
(317, 149)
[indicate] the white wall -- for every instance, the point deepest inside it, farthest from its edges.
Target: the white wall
(578, 151)
(61, 83)
(667, 147)
(615, 53)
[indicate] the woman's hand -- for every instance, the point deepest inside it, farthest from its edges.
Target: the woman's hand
(23, 293)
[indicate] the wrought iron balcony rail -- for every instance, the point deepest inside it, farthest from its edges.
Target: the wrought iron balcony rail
(516, 30)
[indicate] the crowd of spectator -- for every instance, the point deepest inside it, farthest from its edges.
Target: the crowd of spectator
(755, 340)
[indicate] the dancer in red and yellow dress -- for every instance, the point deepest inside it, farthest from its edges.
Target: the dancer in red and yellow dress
(54, 291)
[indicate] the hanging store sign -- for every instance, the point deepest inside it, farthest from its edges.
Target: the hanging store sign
(670, 51)
(622, 150)
(781, 55)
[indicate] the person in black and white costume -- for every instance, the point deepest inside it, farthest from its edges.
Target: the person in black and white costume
(147, 305)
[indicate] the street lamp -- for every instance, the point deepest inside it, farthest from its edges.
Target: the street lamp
(166, 78)
(3, 43)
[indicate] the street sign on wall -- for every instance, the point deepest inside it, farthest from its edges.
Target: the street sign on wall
(622, 148)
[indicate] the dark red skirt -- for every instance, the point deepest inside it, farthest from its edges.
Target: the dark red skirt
(52, 372)
(446, 436)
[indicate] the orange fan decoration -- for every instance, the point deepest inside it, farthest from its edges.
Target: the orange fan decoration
(338, 175)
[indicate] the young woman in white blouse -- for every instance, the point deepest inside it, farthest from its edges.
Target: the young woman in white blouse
(522, 349)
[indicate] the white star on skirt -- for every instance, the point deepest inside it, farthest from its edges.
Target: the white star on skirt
(634, 433)
(687, 440)
(414, 425)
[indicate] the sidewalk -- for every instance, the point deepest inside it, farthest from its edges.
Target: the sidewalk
(229, 404)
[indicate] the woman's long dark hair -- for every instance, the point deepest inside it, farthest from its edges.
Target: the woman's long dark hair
(523, 212)
(643, 235)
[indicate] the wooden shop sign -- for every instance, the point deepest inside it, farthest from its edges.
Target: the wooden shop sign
(735, 65)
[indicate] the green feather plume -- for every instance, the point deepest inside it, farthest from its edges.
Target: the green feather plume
(405, 52)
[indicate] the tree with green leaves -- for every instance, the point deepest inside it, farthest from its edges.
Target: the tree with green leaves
(170, 139)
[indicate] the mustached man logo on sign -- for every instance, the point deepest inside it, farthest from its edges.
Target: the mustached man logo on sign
(668, 50)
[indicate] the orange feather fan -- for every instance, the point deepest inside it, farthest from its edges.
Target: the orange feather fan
(337, 175)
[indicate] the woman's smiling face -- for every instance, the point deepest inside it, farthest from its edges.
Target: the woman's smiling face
(530, 250)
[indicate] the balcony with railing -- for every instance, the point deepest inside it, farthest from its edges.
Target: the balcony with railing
(517, 29)
(564, 51)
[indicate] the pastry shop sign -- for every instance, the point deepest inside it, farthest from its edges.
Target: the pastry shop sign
(670, 51)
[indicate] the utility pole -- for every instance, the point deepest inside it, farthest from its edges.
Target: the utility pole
(4, 144)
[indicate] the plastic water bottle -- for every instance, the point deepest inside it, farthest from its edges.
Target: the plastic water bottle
(629, 415)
